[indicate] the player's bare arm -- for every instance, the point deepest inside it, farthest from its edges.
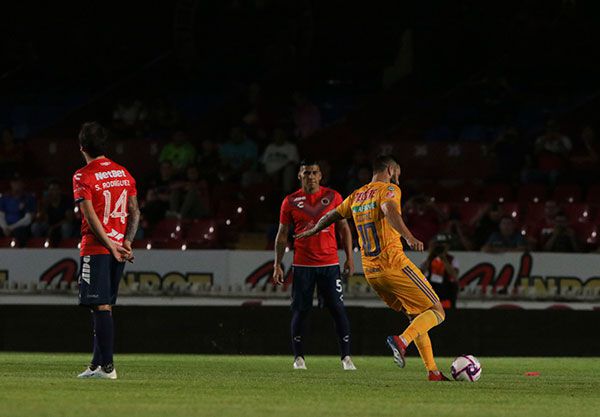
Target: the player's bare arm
(133, 221)
(346, 237)
(120, 253)
(325, 221)
(280, 245)
(391, 210)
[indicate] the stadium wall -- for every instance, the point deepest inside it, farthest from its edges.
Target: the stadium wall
(264, 330)
(542, 275)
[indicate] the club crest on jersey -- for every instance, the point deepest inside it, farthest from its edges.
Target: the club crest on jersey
(325, 201)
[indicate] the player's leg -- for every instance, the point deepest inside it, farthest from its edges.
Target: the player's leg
(93, 286)
(418, 300)
(303, 288)
(104, 319)
(331, 295)
(423, 343)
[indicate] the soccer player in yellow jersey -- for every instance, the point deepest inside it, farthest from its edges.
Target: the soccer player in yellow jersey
(375, 209)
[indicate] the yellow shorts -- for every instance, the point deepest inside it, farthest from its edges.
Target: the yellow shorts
(401, 285)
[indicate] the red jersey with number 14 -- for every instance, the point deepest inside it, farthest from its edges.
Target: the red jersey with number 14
(304, 211)
(107, 185)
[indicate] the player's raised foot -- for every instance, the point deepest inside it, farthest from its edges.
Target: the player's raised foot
(299, 363)
(347, 364)
(106, 372)
(89, 372)
(398, 349)
(436, 376)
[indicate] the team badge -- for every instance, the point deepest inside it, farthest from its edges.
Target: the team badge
(325, 201)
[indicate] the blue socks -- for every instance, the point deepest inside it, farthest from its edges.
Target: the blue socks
(342, 328)
(104, 337)
(97, 357)
(298, 331)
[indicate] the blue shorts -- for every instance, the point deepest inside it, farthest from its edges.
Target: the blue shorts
(99, 279)
(328, 281)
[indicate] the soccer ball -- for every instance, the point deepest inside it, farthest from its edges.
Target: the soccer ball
(466, 368)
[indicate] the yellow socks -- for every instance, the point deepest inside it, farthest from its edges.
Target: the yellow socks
(424, 345)
(420, 325)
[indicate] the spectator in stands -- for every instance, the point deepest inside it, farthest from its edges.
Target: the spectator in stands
(238, 155)
(562, 238)
(158, 195)
(457, 238)
(209, 162)
(506, 239)
(54, 218)
(585, 159)
(542, 230)
(129, 116)
(11, 153)
(485, 223)
(307, 116)
(423, 218)
(441, 270)
(17, 211)
(179, 152)
(189, 198)
(551, 154)
(280, 160)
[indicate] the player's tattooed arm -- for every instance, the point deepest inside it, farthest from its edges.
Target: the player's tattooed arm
(391, 209)
(325, 221)
(133, 218)
(280, 244)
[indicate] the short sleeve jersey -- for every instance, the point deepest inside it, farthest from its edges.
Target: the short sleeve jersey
(303, 211)
(375, 234)
(107, 185)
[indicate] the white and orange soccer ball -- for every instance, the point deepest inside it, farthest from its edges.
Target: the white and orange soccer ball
(466, 368)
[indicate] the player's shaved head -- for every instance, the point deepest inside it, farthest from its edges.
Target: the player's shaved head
(382, 162)
(93, 139)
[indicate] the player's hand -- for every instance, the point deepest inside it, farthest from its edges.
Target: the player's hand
(277, 274)
(127, 246)
(306, 233)
(415, 244)
(348, 269)
(119, 252)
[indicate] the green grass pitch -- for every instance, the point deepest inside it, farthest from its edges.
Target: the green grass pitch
(187, 385)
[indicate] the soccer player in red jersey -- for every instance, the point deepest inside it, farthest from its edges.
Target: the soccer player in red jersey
(316, 260)
(107, 198)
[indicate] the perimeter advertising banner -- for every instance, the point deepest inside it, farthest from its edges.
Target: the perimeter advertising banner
(547, 275)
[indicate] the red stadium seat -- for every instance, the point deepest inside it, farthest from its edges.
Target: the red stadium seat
(468, 211)
(202, 232)
(567, 193)
(37, 242)
(8, 242)
(498, 193)
(167, 229)
(531, 193)
(587, 234)
(142, 244)
(72, 242)
(167, 244)
(593, 194)
(512, 209)
(579, 212)
(464, 193)
(535, 212)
